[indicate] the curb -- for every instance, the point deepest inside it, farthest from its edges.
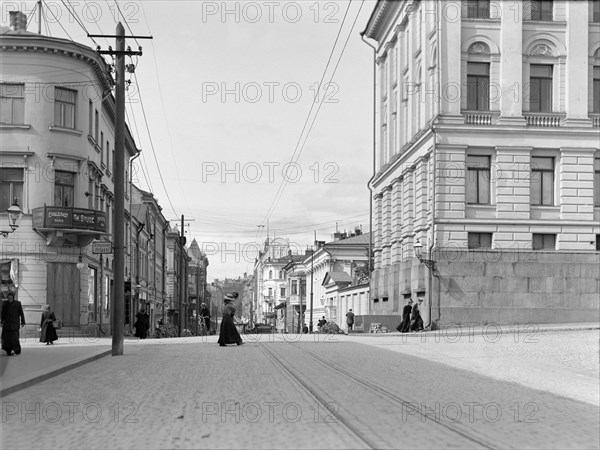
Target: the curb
(52, 373)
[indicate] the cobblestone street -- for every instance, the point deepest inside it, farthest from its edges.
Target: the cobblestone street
(357, 391)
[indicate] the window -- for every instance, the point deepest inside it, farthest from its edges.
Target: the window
(97, 126)
(11, 187)
(478, 86)
(64, 188)
(478, 180)
(544, 242)
(303, 288)
(270, 293)
(12, 103)
(102, 147)
(479, 240)
(64, 107)
(598, 242)
(595, 12)
(597, 182)
(294, 287)
(270, 274)
(108, 155)
(542, 181)
(596, 88)
(540, 94)
(541, 10)
(478, 9)
(282, 292)
(91, 119)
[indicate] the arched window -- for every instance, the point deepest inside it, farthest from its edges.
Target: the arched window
(478, 77)
(270, 274)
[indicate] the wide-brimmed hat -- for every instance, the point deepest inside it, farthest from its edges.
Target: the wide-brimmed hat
(229, 298)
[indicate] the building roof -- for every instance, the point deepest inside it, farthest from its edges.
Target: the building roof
(337, 278)
(361, 239)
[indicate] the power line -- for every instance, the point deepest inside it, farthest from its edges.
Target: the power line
(78, 20)
(152, 146)
(284, 182)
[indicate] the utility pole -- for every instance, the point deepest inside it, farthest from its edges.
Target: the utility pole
(118, 310)
(312, 269)
(182, 279)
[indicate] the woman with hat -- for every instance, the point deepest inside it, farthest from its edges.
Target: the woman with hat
(228, 333)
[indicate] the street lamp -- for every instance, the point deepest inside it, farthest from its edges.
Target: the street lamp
(429, 263)
(14, 218)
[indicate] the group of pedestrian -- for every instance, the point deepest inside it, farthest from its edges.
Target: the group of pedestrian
(12, 319)
(411, 317)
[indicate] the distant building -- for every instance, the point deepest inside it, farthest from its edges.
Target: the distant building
(487, 158)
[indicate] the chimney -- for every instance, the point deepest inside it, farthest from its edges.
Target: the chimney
(357, 231)
(18, 21)
(337, 236)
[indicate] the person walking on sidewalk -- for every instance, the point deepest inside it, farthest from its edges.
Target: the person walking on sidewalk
(404, 326)
(350, 320)
(228, 333)
(416, 319)
(142, 324)
(10, 314)
(48, 332)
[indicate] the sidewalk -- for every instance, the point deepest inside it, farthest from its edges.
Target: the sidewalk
(38, 362)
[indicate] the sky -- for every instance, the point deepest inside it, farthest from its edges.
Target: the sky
(220, 105)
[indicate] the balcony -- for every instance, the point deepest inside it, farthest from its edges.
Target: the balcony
(480, 117)
(68, 227)
(547, 119)
(595, 120)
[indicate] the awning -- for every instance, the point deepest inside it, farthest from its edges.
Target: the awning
(280, 306)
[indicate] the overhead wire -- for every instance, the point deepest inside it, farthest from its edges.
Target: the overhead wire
(58, 21)
(299, 152)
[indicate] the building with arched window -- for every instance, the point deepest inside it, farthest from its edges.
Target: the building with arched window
(486, 183)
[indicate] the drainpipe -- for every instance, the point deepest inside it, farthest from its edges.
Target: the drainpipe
(432, 274)
(370, 256)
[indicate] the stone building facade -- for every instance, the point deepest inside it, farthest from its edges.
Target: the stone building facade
(487, 158)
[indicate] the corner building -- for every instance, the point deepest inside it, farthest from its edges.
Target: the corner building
(487, 138)
(57, 124)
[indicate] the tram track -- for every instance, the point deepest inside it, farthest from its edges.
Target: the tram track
(352, 422)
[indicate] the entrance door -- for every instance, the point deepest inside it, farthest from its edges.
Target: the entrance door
(63, 292)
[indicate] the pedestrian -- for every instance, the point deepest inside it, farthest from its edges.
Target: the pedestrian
(10, 314)
(228, 333)
(321, 322)
(142, 324)
(48, 331)
(205, 316)
(416, 319)
(404, 326)
(350, 320)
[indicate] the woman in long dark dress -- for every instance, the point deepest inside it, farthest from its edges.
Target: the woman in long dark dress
(404, 326)
(228, 333)
(142, 324)
(48, 334)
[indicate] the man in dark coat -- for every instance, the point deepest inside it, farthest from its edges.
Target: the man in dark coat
(10, 314)
(404, 326)
(350, 320)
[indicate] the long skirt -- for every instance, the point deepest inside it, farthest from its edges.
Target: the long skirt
(10, 340)
(404, 325)
(48, 333)
(228, 334)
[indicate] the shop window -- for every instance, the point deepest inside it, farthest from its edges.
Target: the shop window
(6, 280)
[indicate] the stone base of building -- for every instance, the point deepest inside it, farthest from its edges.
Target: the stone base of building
(492, 286)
